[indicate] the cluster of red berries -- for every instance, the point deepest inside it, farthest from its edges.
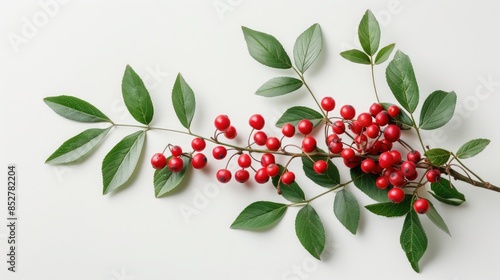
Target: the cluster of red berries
(175, 162)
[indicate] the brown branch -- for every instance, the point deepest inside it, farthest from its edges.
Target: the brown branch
(460, 177)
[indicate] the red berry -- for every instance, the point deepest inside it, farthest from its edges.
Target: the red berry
(385, 145)
(260, 138)
(288, 130)
(421, 206)
(348, 154)
(176, 151)
(408, 168)
(393, 110)
(412, 177)
(241, 176)
(355, 162)
(396, 195)
(392, 133)
(320, 166)
(355, 127)
(338, 127)
(368, 165)
(261, 176)
(328, 103)
(336, 146)
(158, 161)
(382, 118)
(175, 164)
(396, 155)
(288, 177)
(267, 159)
(374, 149)
(397, 178)
(347, 112)
(375, 109)
(382, 182)
(199, 161)
(373, 131)
(308, 144)
(364, 119)
(273, 143)
(361, 140)
(305, 126)
(244, 161)
(219, 152)
(223, 175)
(198, 144)
(230, 132)
(332, 137)
(256, 121)
(222, 122)
(272, 170)
(433, 175)
(414, 156)
(386, 160)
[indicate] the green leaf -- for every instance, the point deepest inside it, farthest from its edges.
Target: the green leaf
(472, 148)
(329, 179)
(384, 54)
(136, 97)
(390, 209)
(366, 183)
(120, 162)
(166, 181)
(356, 56)
(78, 146)
(402, 82)
(346, 209)
(438, 109)
(292, 192)
(402, 119)
(369, 33)
(413, 239)
(310, 231)
(434, 216)
(75, 109)
(445, 192)
(279, 86)
(307, 47)
(259, 215)
(295, 114)
(183, 101)
(438, 156)
(266, 49)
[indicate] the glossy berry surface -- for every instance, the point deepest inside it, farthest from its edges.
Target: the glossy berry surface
(199, 161)
(219, 152)
(386, 160)
(392, 133)
(433, 175)
(272, 170)
(328, 103)
(309, 144)
(382, 182)
(421, 205)
(288, 177)
(288, 130)
(230, 132)
(382, 118)
(256, 121)
(320, 166)
(224, 175)
(175, 164)
(368, 165)
(273, 143)
(244, 161)
(396, 178)
(242, 176)
(396, 195)
(376, 108)
(176, 151)
(158, 161)
(305, 126)
(198, 144)
(261, 176)
(222, 122)
(364, 119)
(260, 138)
(414, 156)
(393, 110)
(347, 112)
(267, 159)
(338, 127)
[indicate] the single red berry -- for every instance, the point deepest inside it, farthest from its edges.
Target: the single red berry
(308, 144)
(267, 159)
(375, 109)
(368, 165)
(320, 166)
(332, 137)
(230, 132)
(347, 112)
(421, 205)
(386, 160)
(305, 126)
(382, 182)
(392, 133)
(396, 156)
(273, 143)
(176, 151)
(158, 161)
(364, 119)
(273, 170)
(393, 110)
(242, 176)
(261, 176)
(328, 103)
(355, 127)
(413, 176)
(244, 160)
(260, 138)
(336, 146)
(385, 145)
(222, 122)
(372, 131)
(257, 121)
(224, 175)
(348, 154)
(396, 195)
(433, 175)
(219, 152)
(288, 130)
(199, 161)
(198, 144)
(175, 164)
(338, 127)
(414, 156)
(382, 118)
(397, 178)
(408, 168)
(288, 178)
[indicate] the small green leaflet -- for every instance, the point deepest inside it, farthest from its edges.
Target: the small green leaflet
(445, 192)
(369, 33)
(391, 209)
(413, 239)
(346, 209)
(292, 192)
(329, 179)
(183, 101)
(295, 114)
(279, 86)
(310, 231)
(384, 54)
(402, 82)
(366, 183)
(136, 97)
(75, 109)
(119, 164)
(435, 218)
(438, 156)
(472, 148)
(356, 56)
(402, 119)
(259, 215)
(166, 181)
(266, 49)
(307, 47)
(438, 109)
(78, 146)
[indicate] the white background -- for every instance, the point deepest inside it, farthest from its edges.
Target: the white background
(68, 230)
